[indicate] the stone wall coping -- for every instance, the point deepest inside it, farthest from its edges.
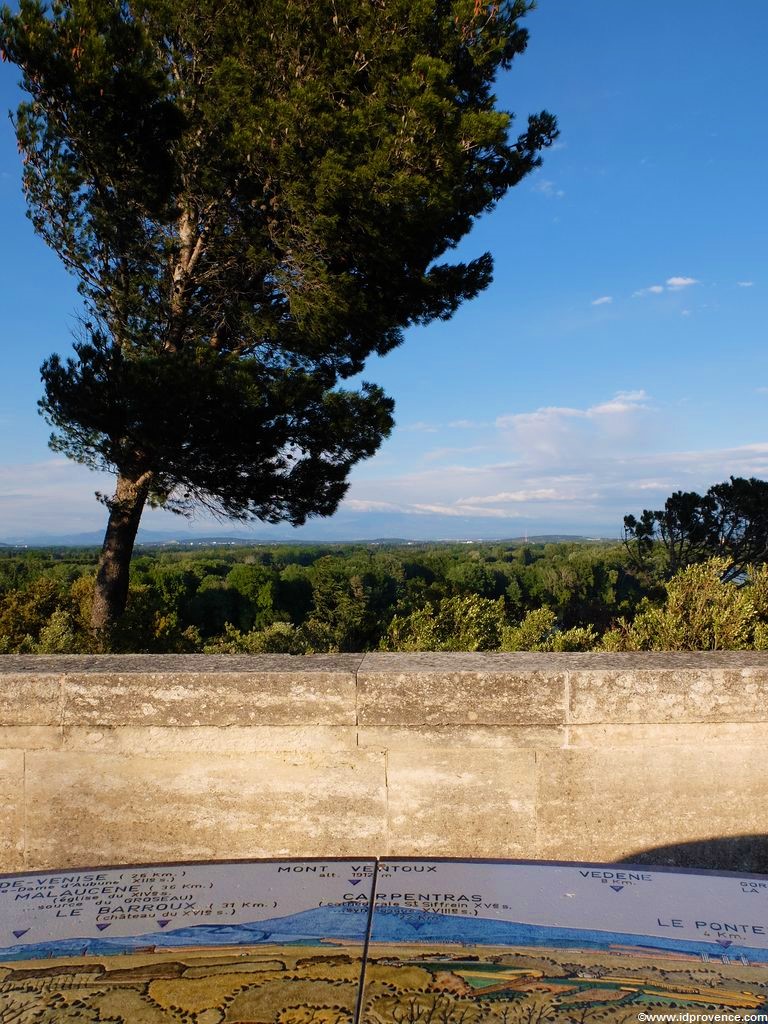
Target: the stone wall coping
(535, 661)
(381, 662)
(173, 664)
(528, 691)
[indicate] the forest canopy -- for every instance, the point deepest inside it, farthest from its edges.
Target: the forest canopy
(328, 598)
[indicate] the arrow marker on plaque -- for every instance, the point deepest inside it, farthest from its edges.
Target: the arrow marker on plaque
(354, 881)
(101, 927)
(617, 888)
(22, 931)
(725, 943)
(163, 923)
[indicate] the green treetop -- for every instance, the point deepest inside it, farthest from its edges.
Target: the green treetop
(254, 199)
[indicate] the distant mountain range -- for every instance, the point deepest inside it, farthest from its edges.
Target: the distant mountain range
(391, 925)
(96, 537)
(154, 538)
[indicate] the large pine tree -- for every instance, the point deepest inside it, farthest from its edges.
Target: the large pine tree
(254, 197)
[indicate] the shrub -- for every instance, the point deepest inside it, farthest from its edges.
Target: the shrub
(701, 613)
(538, 631)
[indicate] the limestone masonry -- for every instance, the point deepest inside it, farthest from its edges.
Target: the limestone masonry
(598, 757)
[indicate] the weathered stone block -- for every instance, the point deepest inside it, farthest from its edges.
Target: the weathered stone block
(458, 737)
(707, 694)
(208, 739)
(206, 698)
(475, 804)
(457, 689)
(30, 737)
(666, 734)
(27, 699)
(88, 809)
(11, 810)
(599, 805)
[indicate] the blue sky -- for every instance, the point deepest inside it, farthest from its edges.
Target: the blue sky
(620, 352)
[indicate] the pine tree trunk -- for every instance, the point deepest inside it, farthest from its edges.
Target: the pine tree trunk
(111, 590)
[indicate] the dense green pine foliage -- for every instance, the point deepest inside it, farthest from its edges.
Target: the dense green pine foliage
(254, 199)
(729, 522)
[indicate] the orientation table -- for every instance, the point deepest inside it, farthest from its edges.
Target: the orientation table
(396, 941)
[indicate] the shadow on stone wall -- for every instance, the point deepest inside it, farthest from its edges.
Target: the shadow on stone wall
(731, 853)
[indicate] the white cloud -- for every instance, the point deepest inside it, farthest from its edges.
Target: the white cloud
(467, 424)
(559, 432)
(673, 284)
(665, 486)
(548, 189)
(358, 505)
(442, 453)
(419, 427)
(745, 284)
(622, 401)
(654, 289)
(685, 312)
(602, 301)
(461, 510)
(591, 488)
(515, 497)
(638, 395)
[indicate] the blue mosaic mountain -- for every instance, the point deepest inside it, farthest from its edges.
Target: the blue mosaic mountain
(348, 922)
(398, 924)
(391, 925)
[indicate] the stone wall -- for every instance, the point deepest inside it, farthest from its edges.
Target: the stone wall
(654, 757)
